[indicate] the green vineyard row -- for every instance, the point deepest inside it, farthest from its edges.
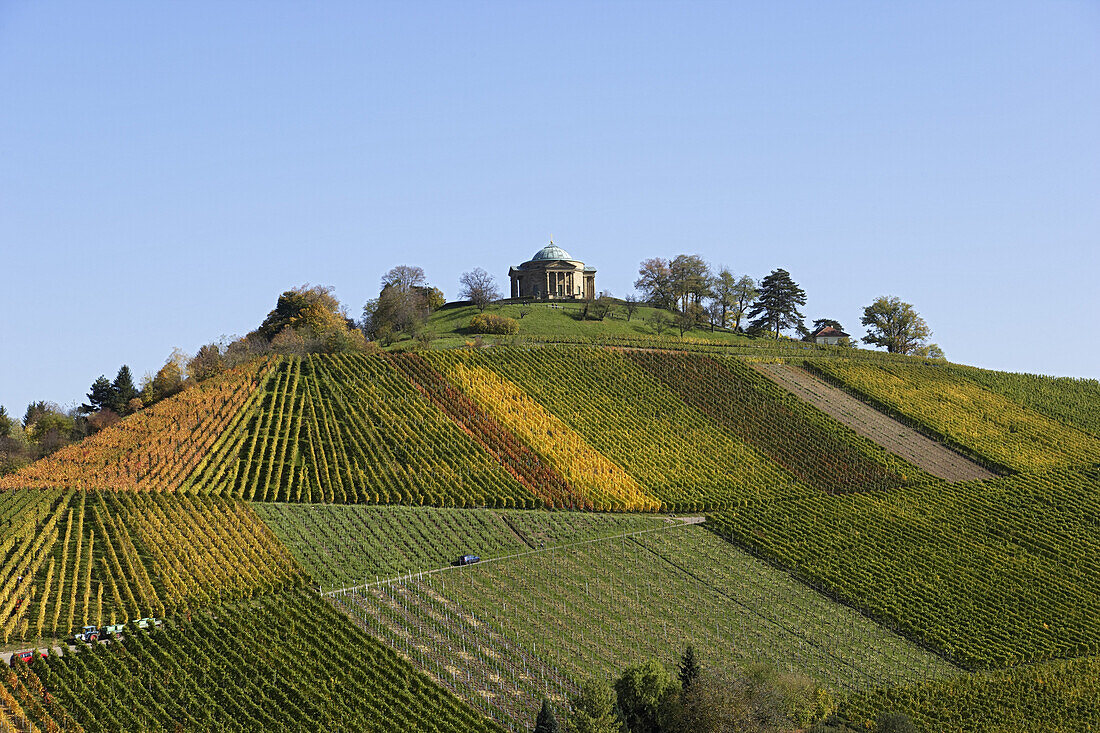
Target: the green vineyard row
(285, 661)
(990, 574)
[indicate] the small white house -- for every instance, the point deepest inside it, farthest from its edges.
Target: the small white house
(828, 336)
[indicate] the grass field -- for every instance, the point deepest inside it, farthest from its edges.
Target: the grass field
(504, 633)
(342, 546)
(992, 574)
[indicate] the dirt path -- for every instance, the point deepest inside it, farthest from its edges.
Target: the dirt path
(936, 458)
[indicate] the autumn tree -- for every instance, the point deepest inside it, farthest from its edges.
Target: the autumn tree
(404, 278)
(894, 325)
(207, 362)
(478, 287)
(723, 289)
(655, 283)
(777, 304)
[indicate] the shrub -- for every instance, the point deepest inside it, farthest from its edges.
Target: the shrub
(490, 323)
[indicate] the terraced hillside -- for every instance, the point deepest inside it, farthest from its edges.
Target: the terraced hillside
(857, 535)
(343, 546)
(155, 449)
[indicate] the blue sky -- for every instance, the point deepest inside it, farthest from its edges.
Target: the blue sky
(166, 169)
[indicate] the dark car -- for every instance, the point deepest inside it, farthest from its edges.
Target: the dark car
(467, 560)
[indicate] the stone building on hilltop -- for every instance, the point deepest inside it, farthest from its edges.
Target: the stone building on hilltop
(553, 274)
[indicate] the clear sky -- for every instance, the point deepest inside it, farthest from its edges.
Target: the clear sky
(166, 169)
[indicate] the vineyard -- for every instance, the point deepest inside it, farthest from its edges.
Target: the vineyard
(1056, 696)
(285, 661)
(819, 451)
(674, 452)
(990, 574)
(155, 449)
(605, 604)
(903, 441)
(964, 414)
(1072, 401)
(342, 546)
(349, 429)
(76, 558)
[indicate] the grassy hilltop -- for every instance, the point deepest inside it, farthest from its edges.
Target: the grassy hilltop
(905, 534)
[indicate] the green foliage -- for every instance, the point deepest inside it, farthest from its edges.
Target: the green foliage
(689, 668)
(811, 446)
(612, 603)
(279, 662)
(1055, 697)
(645, 694)
(895, 326)
(776, 306)
(592, 709)
(894, 723)
(989, 574)
(625, 413)
(494, 324)
(546, 722)
(101, 395)
(122, 391)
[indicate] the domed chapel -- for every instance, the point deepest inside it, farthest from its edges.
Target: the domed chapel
(553, 274)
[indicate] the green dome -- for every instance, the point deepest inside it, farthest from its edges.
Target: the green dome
(551, 252)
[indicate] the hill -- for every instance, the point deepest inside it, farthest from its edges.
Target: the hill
(901, 532)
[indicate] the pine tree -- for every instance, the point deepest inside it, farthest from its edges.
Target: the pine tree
(777, 304)
(124, 391)
(546, 722)
(102, 395)
(689, 668)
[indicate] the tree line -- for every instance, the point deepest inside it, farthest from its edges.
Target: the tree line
(649, 698)
(699, 297)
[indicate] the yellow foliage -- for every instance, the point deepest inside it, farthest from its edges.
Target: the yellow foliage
(608, 485)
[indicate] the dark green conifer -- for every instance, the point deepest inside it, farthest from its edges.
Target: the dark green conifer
(546, 722)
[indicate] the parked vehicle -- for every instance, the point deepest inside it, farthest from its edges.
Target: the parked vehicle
(147, 623)
(467, 560)
(88, 634)
(113, 630)
(27, 656)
